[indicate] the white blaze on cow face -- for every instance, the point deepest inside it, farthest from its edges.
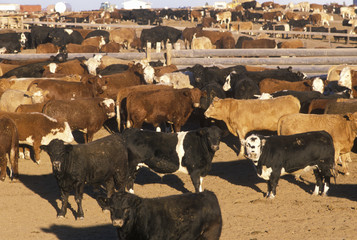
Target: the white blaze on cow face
(93, 63)
(253, 148)
(64, 134)
(266, 172)
(3, 50)
(52, 67)
(181, 151)
(69, 31)
(345, 78)
(149, 74)
(108, 103)
(227, 84)
(318, 85)
(23, 39)
(101, 43)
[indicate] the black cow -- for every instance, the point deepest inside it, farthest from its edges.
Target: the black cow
(63, 36)
(301, 23)
(249, 5)
(252, 16)
(337, 38)
(275, 156)
(97, 33)
(113, 68)
(13, 42)
(241, 86)
(241, 39)
(185, 216)
(159, 34)
(40, 35)
(276, 27)
(104, 161)
(280, 73)
(190, 152)
(33, 70)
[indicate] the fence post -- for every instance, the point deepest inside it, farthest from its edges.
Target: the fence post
(168, 53)
(148, 51)
(158, 47)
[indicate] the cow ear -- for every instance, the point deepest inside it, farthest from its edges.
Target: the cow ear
(104, 202)
(263, 142)
(44, 148)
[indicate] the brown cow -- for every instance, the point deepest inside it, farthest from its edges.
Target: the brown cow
(270, 85)
(342, 129)
(27, 108)
(131, 77)
(270, 16)
(9, 145)
(156, 107)
(214, 36)
(292, 16)
(47, 48)
(243, 116)
(196, 15)
(208, 21)
(36, 129)
(259, 43)
(188, 33)
(161, 70)
(292, 43)
(97, 41)
(45, 90)
(78, 48)
(123, 36)
(110, 47)
(123, 94)
(87, 115)
(316, 7)
(74, 66)
(315, 19)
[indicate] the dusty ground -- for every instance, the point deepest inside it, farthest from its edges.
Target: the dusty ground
(29, 206)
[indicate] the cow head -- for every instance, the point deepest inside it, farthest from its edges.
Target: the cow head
(122, 208)
(93, 63)
(109, 106)
(345, 78)
(96, 83)
(253, 146)
(195, 96)
(58, 152)
(212, 136)
(318, 85)
(216, 109)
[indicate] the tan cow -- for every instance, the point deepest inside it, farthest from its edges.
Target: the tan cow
(224, 17)
(342, 129)
(196, 15)
(4, 68)
(123, 36)
(201, 43)
(243, 116)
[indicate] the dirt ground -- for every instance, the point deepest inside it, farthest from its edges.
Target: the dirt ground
(29, 206)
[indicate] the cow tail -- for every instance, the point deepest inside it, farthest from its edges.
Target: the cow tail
(334, 173)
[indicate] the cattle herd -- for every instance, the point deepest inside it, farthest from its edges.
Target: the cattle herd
(169, 119)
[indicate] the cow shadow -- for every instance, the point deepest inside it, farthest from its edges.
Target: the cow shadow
(239, 172)
(63, 232)
(346, 191)
(146, 176)
(46, 187)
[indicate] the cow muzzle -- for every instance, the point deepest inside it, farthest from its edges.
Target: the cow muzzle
(215, 147)
(196, 105)
(57, 165)
(118, 222)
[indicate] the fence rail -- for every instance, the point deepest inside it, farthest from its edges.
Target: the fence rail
(310, 61)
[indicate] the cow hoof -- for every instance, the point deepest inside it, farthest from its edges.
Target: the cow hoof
(2, 179)
(38, 162)
(60, 216)
(21, 155)
(347, 173)
(81, 218)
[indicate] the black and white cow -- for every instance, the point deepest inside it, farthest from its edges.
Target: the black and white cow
(189, 152)
(275, 156)
(13, 42)
(185, 216)
(104, 161)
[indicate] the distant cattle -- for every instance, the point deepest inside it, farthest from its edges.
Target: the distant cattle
(186, 216)
(189, 152)
(269, 85)
(201, 43)
(78, 48)
(224, 17)
(160, 34)
(123, 36)
(104, 161)
(259, 43)
(47, 48)
(275, 156)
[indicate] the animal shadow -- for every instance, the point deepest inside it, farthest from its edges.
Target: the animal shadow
(63, 232)
(146, 176)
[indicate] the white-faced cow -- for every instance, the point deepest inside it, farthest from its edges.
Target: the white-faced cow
(275, 156)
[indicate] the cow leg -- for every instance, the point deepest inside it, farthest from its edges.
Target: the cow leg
(14, 161)
(78, 197)
(326, 186)
(37, 151)
(197, 181)
(319, 179)
(64, 197)
(272, 184)
(3, 163)
(344, 159)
